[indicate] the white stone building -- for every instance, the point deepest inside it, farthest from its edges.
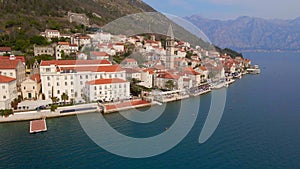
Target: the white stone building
(107, 89)
(14, 69)
(66, 48)
(31, 87)
(99, 55)
(8, 91)
(51, 34)
(43, 50)
(147, 77)
(70, 76)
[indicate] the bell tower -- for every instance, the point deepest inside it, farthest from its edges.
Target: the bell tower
(170, 48)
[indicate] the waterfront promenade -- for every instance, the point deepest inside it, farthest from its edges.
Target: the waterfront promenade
(74, 110)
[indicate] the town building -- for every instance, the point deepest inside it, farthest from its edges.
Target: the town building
(8, 91)
(31, 87)
(43, 50)
(80, 40)
(65, 48)
(5, 51)
(49, 33)
(107, 89)
(130, 63)
(70, 76)
(99, 55)
(147, 78)
(133, 74)
(14, 69)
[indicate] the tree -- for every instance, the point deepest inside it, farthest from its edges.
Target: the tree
(6, 112)
(64, 97)
(14, 103)
(135, 89)
(53, 108)
(55, 100)
(170, 84)
(39, 40)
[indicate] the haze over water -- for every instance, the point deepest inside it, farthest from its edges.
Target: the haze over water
(259, 129)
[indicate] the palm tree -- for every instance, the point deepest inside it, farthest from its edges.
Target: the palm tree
(54, 100)
(64, 97)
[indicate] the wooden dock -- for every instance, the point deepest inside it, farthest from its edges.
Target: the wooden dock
(37, 126)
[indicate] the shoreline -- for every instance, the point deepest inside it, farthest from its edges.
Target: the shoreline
(86, 108)
(35, 115)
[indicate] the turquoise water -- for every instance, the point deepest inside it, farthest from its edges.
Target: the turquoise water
(259, 129)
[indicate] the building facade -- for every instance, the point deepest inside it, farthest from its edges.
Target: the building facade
(14, 69)
(107, 89)
(70, 77)
(8, 91)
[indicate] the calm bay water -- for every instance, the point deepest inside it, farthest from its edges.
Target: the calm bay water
(259, 129)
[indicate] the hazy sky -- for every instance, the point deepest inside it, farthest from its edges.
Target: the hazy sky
(228, 9)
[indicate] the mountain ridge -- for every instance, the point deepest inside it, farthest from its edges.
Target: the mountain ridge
(251, 33)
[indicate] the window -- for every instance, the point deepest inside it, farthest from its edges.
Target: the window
(49, 84)
(58, 91)
(57, 78)
(57, 84)
(11, 74)
(86, 76)
(72, 91)
(66, 83)
(80, 77)
(71, 83)
(4, 97)
(3, 87)
(66, 77)
(48, 78)
(33, 87)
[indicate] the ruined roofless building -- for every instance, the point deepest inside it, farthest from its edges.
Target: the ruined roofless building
(78, 18)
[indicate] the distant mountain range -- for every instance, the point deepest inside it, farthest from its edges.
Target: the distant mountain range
(249, 33)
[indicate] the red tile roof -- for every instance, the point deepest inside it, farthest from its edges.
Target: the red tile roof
(9, 64)
(130, 60)
(19, 58)
(5, 49)
(36, 77)
(5, 79)
(112, 68)
(99, 53)
(75, 62)
(105, 81)
(131, 71)
(168, 76)
(190, 71)
(203, 68)
(151, 71)
(63, 43)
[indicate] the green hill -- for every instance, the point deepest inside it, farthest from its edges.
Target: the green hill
(33, 16)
